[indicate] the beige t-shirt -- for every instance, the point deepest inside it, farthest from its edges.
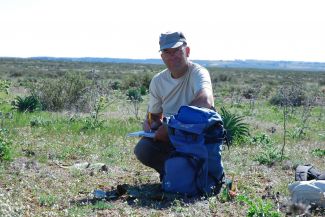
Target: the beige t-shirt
(167, 94)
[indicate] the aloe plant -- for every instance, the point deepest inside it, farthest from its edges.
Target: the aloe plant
(233, 123)
(27, 104)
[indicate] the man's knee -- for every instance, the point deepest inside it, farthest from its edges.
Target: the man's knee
(151, 153)
(142, 151)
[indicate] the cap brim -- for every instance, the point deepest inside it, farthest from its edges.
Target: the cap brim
(171, 45)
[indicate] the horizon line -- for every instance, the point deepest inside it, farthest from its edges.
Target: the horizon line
(127, 58)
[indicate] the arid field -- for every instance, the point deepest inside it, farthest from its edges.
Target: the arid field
(63, 128)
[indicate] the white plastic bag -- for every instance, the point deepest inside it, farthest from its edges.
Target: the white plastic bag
(308, 192)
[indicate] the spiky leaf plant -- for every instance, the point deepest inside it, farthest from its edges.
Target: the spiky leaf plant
(27, 104)
(233, 123)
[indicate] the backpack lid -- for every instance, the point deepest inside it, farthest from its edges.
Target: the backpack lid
(197, 115)
(194, 119)
(191, 128)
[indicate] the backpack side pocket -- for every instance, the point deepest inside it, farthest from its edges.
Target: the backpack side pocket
(181, 174)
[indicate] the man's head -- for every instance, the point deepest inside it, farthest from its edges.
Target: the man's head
(171, 40)
(174, 52)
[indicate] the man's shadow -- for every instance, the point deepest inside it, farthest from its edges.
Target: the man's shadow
(145, 195)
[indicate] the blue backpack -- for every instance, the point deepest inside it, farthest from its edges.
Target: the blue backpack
(195, 167)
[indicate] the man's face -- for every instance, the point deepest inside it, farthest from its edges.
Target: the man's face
(175, 58)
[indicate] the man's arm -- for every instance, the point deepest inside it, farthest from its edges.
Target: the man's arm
(204, 98)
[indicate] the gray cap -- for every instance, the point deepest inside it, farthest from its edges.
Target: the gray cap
(171, 40)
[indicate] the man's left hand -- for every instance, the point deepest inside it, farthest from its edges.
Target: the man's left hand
(162, 134)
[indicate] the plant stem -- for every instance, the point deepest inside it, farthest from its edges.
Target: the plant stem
(284, 130)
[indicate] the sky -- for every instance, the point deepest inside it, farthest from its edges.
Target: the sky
(290, 30)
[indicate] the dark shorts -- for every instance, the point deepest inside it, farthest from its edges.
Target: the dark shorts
(153, 153)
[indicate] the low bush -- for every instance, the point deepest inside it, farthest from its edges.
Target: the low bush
(137, 81)
(5, 143)
(261, 139)
(258, 207)
(4, 86)
(61, 93)
(134, 94)
(116, 85)
(269, 155)
(291, 96)
(319, 152)
(40, 122)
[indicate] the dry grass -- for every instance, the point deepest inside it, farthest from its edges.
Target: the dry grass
(32, 188)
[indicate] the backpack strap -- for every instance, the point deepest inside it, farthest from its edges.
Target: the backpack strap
(226, 138)
(211, 137)
(321, 176)
(306, 172)
(217, 182)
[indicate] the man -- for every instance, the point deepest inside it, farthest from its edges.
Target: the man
(182, 83)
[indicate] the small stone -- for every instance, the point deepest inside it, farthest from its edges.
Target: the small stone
(287, 165)
(80, 166)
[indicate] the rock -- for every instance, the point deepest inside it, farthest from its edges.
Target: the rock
(98, 167)
(80, 166)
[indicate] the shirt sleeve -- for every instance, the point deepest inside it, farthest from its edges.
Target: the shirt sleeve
(201, 80)
(155, 102)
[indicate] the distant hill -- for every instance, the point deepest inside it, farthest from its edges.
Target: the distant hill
(257, 64)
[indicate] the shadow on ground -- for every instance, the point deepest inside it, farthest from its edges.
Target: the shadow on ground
(145, 195)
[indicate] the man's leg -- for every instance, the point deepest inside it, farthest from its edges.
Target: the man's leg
(153, 153)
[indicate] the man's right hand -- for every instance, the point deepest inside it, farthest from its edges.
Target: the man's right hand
(156, 122)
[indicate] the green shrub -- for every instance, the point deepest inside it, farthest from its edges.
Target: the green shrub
(5, 143)
(38, 122)
(319, 152)
(27, 104)
(116, 85)
(134, 94)
(92, 123)
(47, 200)
(143, 90)
(137, 80)
(4, 86)
(251, 92)
(258, 207)
(269, 155)
(291, 96)
(236, 128)
(135, 99)
(61, 93)
(261, 139)
(224, 77)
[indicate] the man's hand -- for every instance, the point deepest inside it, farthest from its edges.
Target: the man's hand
(162, 134)
(154, 125)
(156, 122)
